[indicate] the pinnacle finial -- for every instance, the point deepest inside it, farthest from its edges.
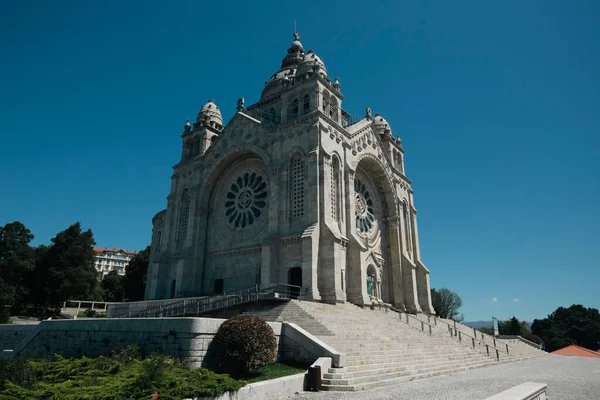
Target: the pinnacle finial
(296, 36)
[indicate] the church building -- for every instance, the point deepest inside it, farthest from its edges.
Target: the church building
(291, 190)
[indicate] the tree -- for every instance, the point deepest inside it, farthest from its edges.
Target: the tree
(446, 304)
(513, 327)
(113, 286)
(65, 269)
(487, 331)
(135, 275)
(16, 260)
(565, 326)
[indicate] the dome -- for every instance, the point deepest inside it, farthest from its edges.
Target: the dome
(289, 64)
(381, 125)
(210, 113)
(309, 63)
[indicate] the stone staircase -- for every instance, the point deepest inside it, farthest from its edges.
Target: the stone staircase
(516, 348)
(381, 347)
(292, 312)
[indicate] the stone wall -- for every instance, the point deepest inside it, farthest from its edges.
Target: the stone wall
(12, 335)
(188, 338)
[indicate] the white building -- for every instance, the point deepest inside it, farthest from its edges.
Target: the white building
(106, 260)
(291, 190)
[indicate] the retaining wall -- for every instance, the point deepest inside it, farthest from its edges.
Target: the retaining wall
(188, 338)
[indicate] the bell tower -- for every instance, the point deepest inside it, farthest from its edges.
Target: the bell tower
(198, 138)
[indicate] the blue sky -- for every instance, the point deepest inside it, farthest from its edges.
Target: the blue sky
(497, 104)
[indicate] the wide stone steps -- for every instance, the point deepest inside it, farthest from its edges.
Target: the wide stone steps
(380, 347)
(291, 312)
(417, 370)
(405, 362)
(402, 352)
(400, 379)
(405, 365)
(374, 360)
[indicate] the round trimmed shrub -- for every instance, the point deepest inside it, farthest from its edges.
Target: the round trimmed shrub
(243, 344)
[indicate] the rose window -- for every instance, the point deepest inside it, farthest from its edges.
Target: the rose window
(246, 200)
(365, 219)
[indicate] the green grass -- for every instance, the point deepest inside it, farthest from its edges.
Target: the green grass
(272, 371)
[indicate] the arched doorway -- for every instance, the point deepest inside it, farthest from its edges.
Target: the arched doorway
(218, 286)
(295, 280)
(372, 203)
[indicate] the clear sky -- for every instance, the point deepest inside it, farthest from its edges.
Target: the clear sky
(497, 104)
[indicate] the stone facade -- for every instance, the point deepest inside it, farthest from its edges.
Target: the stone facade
(292, 190)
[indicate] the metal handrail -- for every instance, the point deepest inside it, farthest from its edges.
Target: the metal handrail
(456, 333)
(198, 305)
(164, 310)
(483, 335)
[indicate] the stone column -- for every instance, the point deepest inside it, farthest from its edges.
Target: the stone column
(423, 286)
(395, 263)
(270, 248)
(310, 237)
(411, 300)
(424, 289)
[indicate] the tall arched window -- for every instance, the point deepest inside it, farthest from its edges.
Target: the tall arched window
(336, 189)
(195, 147)
(305, 103)
(184, 214)
(333, 108)
(158, 239)
(407, 233)
(325, 102)
(297, 173)
(294, 110)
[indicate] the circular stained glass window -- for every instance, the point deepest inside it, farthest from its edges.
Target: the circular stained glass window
(246, 200)
(365, 218)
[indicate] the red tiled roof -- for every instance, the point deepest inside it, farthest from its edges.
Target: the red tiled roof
(579, 351)
(115, 250)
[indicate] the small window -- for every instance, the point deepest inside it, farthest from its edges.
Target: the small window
(306, 104)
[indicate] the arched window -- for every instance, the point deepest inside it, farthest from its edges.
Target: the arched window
(187, 150)
(297, 174)
(407, 231)
(158, 239)
(184, 214)
(326, 102)
(333, 108)
(336, 189)
(294, 111)
(195, 147)
(305, 104)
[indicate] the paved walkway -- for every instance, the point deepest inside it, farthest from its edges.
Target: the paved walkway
(569, 378)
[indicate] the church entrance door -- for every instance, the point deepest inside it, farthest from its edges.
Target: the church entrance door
(295, 279)
(218, 286)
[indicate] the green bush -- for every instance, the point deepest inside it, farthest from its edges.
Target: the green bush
(244, 343)
(109, 378)
(18, 371)
(4, 315)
